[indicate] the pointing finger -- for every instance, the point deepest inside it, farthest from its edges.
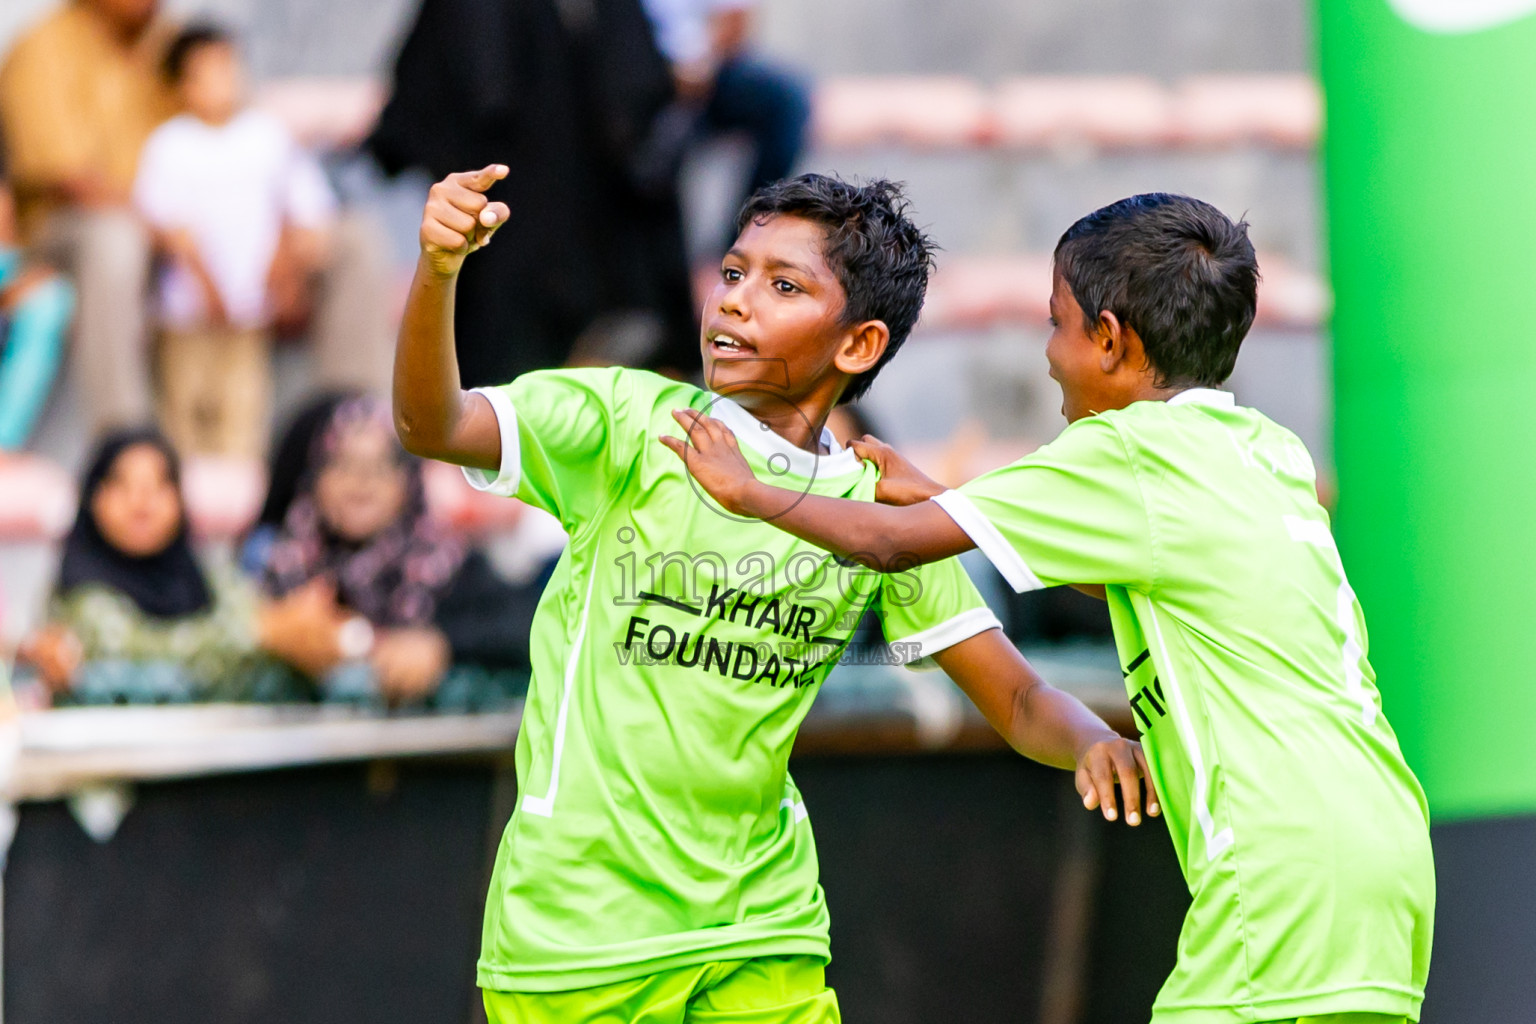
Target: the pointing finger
(482, 179)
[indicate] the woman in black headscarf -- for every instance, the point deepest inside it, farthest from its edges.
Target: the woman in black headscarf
(134, 613)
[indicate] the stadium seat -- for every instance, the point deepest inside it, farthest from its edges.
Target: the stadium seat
(941, 111)
(37, 499)
(973, 292)
(1110, 112)
(223, 495)
(944, 111)
(1284, 111)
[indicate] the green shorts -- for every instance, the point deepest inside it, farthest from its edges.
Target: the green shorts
(1345, 1018)
(763, 990)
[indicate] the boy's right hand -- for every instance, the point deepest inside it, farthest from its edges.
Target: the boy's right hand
(458, 219)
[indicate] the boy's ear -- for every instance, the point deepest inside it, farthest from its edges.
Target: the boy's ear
(1113, 340)
(862, 347)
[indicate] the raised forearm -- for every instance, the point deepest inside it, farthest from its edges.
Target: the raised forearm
(434, 417)
(429, 400)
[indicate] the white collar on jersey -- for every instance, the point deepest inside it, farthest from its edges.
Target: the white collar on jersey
(756, 434)
(1204, 396)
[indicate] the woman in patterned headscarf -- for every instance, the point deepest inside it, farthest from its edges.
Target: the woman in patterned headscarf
(419, 597)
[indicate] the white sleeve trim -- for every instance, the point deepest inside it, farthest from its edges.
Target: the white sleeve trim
(505, 482)
(980, 529)
(914, 651)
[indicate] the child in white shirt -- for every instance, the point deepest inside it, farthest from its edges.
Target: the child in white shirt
(241, 213)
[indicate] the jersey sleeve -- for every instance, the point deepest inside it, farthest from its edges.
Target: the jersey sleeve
(1072, 512)
(929, 608)
(564, 435)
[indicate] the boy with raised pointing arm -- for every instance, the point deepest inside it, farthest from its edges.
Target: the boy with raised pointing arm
(659, 865)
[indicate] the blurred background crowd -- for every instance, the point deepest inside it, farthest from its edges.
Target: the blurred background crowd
(207, 219)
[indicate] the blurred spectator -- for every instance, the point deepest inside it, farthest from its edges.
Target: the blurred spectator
(134, 613)
(567, 95)
(707, 43)
(243, 215)
(423, 600)
(285, 472)
(80, 93)
(35, 306)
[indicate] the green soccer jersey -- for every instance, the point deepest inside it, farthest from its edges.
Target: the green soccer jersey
(1301, 831)
(675, 653)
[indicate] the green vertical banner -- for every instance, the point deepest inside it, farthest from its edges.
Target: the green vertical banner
(1430, 171)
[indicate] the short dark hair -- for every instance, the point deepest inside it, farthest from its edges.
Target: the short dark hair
(881, 258)
(191, 37)
(1175, 269)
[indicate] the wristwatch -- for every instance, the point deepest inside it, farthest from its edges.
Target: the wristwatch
(355, 639)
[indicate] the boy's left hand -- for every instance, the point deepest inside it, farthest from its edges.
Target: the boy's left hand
(713, 457)
(900, 483)
(1110, 761)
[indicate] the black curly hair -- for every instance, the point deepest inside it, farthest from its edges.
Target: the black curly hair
(881, 258)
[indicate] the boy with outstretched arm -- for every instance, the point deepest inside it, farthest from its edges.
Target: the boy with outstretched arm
(1302, 833)
(659, 865)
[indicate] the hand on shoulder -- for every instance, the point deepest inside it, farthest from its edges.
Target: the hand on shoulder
(901, 483)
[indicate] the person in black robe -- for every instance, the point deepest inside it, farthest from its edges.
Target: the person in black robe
(575, 99)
